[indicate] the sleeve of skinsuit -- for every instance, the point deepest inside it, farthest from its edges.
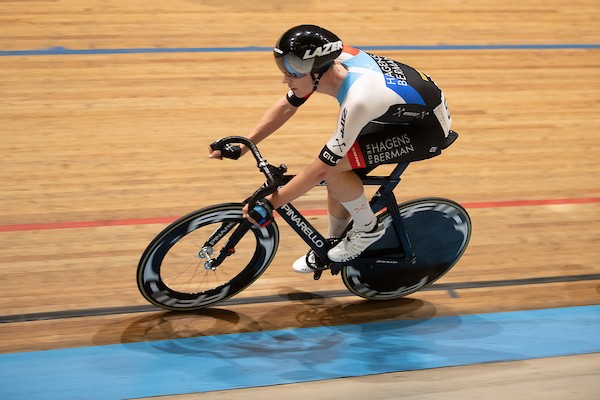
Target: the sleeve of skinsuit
(366, 99)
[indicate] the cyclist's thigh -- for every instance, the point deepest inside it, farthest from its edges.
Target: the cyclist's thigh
(343, 165)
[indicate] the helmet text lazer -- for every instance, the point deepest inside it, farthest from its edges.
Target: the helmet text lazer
(327, 48)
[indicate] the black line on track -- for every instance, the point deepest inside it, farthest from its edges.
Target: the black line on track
(450, 287)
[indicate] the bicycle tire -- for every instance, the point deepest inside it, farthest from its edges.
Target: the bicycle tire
(191, 286)
(439, 230)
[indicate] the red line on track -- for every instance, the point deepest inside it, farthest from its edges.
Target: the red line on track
(166, 220)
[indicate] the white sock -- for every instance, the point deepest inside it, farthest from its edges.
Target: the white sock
(363, 216)
(337, 226)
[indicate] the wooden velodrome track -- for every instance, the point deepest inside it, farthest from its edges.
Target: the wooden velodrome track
(100, 151)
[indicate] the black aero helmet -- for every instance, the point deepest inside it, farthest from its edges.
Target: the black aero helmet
(306, 49)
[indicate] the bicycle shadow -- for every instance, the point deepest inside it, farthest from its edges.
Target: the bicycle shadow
(301, 310)
(166, 325)
(315, 310)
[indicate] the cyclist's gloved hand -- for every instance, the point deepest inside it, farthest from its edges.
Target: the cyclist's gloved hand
(232, 151)
(262, 212)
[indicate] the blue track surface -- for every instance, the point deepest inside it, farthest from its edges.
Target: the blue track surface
(211, 363)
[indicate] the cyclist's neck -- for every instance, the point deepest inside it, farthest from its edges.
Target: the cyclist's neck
(332, 80)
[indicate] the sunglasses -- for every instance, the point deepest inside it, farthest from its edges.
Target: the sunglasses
(294, 75)
(289, 65)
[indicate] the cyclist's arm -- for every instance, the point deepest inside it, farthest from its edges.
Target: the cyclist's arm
(366, 100)
(308, 178)
(277, 115)
(356, 111)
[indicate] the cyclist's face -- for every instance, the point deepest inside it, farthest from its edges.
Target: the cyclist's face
(301, 87)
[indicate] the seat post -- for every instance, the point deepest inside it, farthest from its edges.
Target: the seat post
(398, 225)
(387, 185)
(384, 197)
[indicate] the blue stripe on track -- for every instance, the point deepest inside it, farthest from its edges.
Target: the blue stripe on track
(58, 50)
(209, 363)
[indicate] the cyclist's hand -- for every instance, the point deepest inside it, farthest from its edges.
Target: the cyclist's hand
(261, 214)
(214, 153)
(215, 150)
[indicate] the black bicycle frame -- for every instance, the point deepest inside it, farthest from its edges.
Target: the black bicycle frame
(384, 198)
(304, 229)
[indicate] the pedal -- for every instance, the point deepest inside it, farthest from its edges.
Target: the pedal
(318, 266)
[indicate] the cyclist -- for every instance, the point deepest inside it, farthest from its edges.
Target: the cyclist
(389, 113)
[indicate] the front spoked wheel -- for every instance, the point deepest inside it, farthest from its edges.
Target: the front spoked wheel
(177, 271)
(439, 231)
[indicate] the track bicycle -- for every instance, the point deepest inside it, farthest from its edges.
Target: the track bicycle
(214, 253)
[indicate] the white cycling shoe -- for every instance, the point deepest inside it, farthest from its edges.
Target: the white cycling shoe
(347, 249)
(355, 243)
(301, 265)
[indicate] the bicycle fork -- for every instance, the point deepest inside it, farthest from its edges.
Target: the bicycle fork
(228, 248)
